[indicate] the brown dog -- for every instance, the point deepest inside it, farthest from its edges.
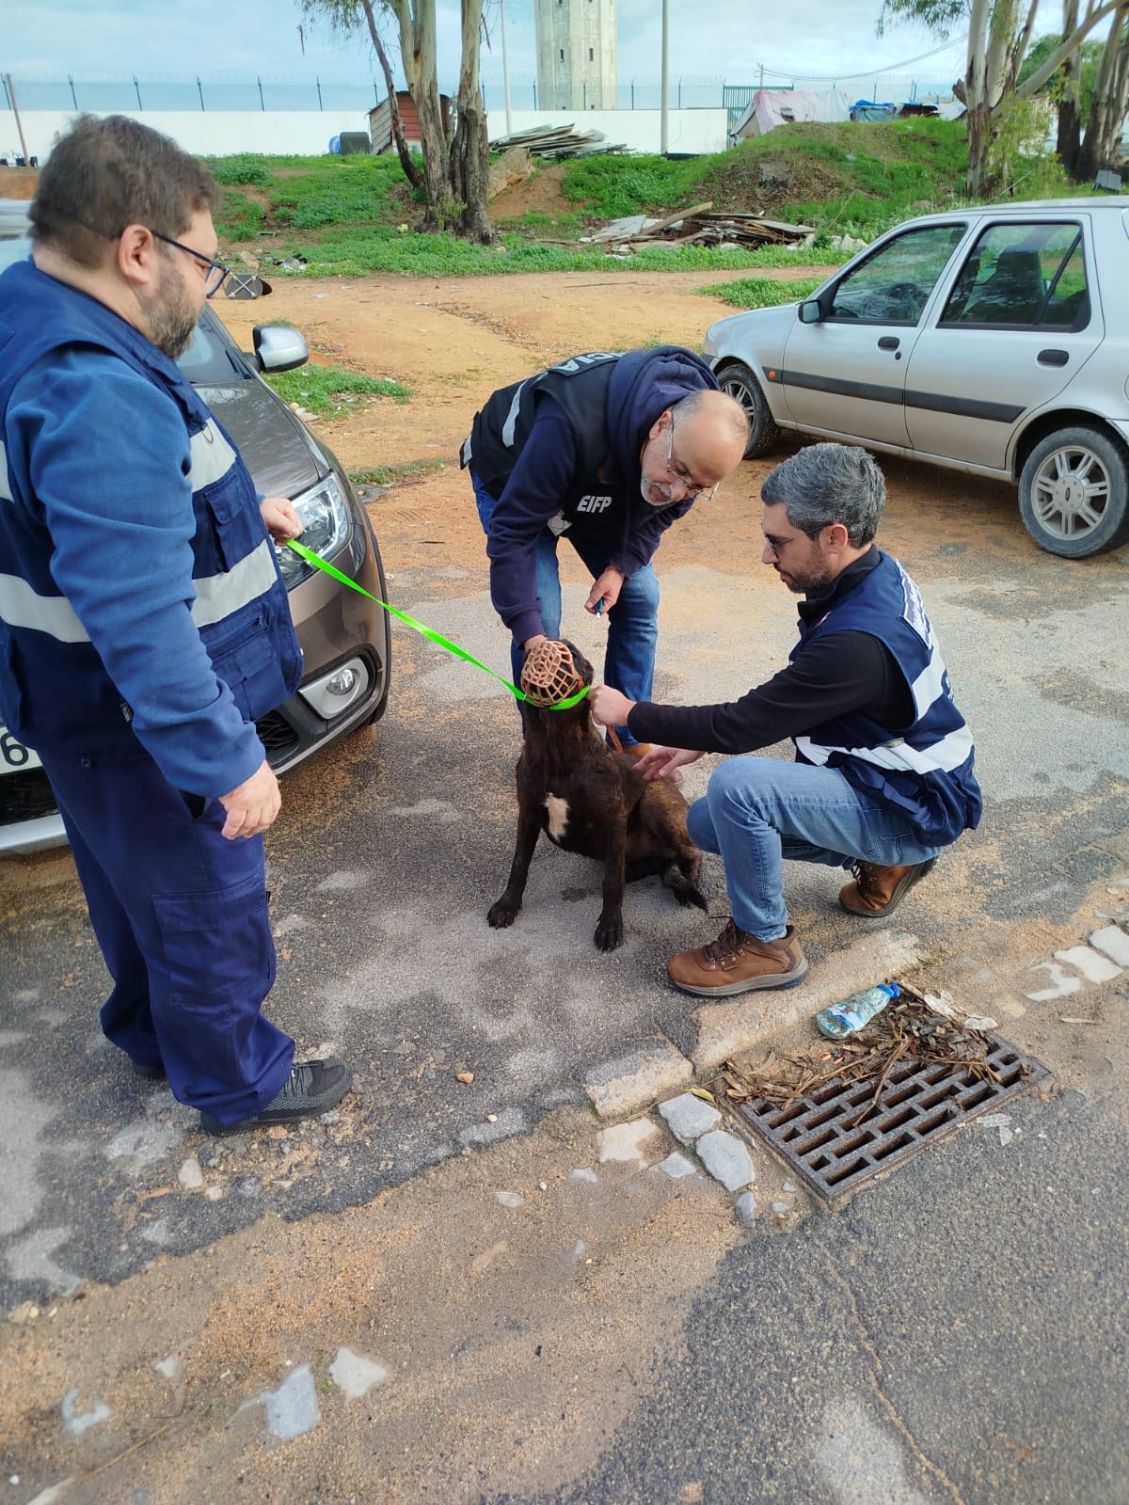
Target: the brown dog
(591, 800)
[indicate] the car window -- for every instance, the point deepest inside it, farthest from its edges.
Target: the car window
(893, 285)
(208, 359)
(1026, 276)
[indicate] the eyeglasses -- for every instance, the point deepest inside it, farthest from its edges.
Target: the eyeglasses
(214, 273)
(693, 491)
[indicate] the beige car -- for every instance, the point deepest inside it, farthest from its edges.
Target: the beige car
(990, 340)
(344, 637)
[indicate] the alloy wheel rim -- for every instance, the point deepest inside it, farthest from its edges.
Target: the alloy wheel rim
(740, 393)
(1070, 494)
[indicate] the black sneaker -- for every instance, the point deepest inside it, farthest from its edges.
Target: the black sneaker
(148, 1073)
(312, 1087)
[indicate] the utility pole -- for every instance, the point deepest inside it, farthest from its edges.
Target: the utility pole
(16, 112)
(505, 65)
(663, 129)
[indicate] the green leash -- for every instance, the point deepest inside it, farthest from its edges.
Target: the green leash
(433, 637)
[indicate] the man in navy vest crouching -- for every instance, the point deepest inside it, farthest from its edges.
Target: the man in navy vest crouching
(883, 773)
(144, 625)
(605, 450)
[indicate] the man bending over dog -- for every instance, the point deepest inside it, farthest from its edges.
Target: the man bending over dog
(608, 450)
(883, 773)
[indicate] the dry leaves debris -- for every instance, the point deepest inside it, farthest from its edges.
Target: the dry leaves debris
(908, 1029)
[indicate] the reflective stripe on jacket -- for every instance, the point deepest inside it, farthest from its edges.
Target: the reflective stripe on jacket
(55, 688)
(925, 770)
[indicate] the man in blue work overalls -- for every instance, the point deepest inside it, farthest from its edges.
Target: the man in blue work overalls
(144, 624)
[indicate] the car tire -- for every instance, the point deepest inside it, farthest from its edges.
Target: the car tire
(1072, 469)
(739, 382)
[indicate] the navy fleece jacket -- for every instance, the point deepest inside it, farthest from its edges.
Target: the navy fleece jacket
(644, 384)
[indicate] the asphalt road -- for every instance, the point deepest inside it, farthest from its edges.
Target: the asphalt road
(960, 1334)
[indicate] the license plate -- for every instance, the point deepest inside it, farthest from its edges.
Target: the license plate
(14, 756)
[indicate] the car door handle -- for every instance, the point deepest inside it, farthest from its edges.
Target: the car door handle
(1053, 357)
(889, 342)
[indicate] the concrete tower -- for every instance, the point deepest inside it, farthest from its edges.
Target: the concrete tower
(576, 67)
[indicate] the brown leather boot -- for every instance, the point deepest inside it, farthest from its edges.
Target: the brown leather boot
(877, 891)
(737, 963)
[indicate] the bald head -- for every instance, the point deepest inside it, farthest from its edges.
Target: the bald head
(692, 447)
(711, 432)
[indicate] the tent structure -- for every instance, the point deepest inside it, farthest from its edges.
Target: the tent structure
(769, 108)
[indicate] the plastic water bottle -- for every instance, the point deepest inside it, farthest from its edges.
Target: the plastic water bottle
(851, 1014)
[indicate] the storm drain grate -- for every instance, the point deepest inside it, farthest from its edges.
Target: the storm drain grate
(835, 1145)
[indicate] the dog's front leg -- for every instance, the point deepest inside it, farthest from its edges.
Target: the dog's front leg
(504, 911)
(609, 927)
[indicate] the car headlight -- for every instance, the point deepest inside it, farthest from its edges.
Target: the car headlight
(325, 529)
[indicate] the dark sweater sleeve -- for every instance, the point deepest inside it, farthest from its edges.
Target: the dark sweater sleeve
(535, 492)
(843, 672)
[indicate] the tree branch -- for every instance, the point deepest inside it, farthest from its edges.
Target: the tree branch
(1070, 44)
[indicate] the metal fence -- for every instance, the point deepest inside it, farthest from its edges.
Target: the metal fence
(200, 92)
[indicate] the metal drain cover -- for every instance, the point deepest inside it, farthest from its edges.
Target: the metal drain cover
(822, 1139)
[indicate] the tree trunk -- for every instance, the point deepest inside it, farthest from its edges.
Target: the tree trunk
(1107, 110)
(469, 150)
(403, 151)
(417, 54)
(1068, 137)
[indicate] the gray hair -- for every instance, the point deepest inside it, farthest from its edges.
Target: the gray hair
(829, 483)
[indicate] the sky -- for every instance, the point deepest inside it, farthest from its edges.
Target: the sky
(730, 40)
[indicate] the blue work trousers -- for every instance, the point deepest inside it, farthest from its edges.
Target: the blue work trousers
(633, 622)
(758, 811)
(180, 915)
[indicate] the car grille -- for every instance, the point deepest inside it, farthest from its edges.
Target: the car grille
(25, 796)
(277, 736)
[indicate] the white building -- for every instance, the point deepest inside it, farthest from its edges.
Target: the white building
(576, 62)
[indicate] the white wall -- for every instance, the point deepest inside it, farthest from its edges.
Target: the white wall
(219, 133)
(207, 133)
(638, 130)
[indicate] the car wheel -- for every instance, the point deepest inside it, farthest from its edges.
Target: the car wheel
(740, 383)
(1074, 493)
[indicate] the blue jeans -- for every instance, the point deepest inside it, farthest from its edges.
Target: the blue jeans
(633, 628)
(758, 811)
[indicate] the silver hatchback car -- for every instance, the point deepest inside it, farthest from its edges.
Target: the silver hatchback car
(992, 340)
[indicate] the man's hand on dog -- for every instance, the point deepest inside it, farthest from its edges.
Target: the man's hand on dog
(610, 707)
(662, 762)
(605, 591)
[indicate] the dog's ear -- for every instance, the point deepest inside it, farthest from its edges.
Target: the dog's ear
(581, 664)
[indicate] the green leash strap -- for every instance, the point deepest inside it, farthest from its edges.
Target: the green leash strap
(433, 637)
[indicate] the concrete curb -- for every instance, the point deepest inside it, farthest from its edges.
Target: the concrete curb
(631, 1083)
(729, 1028)
(618, 1088)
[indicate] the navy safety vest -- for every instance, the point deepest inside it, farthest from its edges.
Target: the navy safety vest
(56, 688)
(579, 386)
(926, 770)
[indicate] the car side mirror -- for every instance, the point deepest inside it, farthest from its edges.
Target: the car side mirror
(810, 311)
(278, 347)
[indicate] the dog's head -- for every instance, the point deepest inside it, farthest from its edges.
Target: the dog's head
(554, 670)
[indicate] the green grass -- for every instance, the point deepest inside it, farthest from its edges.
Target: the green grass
(329, 391)
(421, 255)
(390, 475)
(344, 214)
(762, 292)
